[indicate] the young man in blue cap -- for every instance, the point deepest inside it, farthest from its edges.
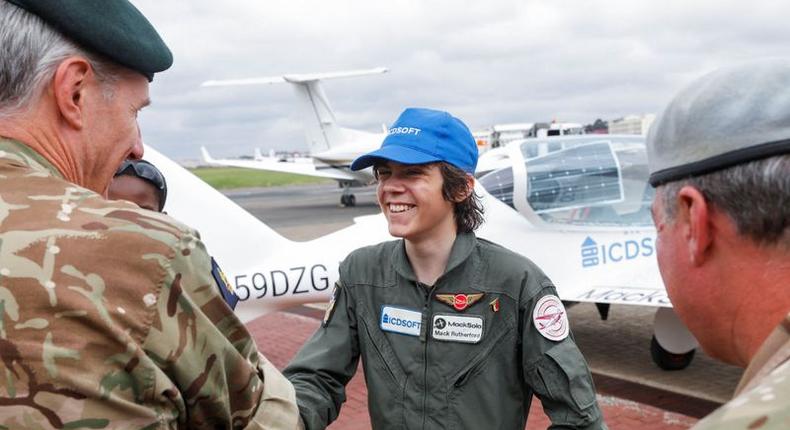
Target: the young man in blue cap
(454, 331)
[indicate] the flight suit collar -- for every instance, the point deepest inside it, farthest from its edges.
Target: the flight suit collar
(17, 151)
(774, 351)
(462, 248)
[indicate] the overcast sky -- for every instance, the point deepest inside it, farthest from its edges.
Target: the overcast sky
(487, 62)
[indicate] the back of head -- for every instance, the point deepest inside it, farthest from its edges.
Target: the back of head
(728, 135)
(146, 172)
(36, 35)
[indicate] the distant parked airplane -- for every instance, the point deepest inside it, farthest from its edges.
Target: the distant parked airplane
(332, 147)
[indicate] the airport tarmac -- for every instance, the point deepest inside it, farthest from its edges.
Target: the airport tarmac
(617, 349)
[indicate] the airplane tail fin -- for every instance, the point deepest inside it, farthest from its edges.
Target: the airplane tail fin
(321, 129)
(257, 155)
(226, 228)
(206, 156)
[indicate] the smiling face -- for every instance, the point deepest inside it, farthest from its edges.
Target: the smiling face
(411, 199)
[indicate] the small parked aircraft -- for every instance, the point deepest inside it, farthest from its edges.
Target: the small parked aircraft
(578, 206)
(332, 148)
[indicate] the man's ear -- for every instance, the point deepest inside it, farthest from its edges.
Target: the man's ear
(69, 89)
(694, 214)
(470, 188)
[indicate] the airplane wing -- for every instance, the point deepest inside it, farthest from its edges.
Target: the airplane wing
(293, 78)
(322, 132)
(275, 165)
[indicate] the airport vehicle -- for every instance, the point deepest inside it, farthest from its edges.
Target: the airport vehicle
(332, 147)
(578, 206)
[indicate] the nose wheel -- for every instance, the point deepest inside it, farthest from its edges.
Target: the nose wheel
(348, 200)
(669, 360)
(673, 345)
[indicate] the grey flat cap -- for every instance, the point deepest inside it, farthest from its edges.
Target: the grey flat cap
(731, 116)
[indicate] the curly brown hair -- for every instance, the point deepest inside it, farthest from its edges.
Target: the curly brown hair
(469, 211)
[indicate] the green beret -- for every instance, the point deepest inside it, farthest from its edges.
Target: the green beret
(112, 28)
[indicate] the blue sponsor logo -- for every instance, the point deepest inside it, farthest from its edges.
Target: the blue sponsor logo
(400, 320)
(594, 254)
(589, 253)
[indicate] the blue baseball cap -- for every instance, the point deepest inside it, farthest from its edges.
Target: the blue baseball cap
(421, 136)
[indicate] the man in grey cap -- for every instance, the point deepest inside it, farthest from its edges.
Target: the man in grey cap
(720, 159)
(109, 314)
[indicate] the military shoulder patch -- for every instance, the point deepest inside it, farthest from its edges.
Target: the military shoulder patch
(330, 308)
(225, 289)
(550, 318)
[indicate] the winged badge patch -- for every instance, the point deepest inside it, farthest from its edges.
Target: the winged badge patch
(460, 301)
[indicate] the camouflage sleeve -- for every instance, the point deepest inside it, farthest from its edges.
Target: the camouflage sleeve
(554, 368)
(203, 348)
(763, 407)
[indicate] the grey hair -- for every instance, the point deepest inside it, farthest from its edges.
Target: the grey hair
(30, 52)
(755, 195)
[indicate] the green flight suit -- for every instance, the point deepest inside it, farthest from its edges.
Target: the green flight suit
(110, 317)
(422, 375)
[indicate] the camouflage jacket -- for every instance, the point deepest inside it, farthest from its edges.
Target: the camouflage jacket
(762, 400)
(110, 317)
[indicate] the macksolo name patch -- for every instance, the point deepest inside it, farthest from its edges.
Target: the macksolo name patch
(400, 320)
(457, 328)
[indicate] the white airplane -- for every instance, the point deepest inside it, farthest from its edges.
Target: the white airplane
(580, 211)
(332, 148)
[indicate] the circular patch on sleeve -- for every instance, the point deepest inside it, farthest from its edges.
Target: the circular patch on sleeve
(550, 318)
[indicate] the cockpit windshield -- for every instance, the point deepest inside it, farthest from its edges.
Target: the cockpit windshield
(599, 180)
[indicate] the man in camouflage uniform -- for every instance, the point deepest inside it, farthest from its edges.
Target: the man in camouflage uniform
(109, 315)
(719, 157)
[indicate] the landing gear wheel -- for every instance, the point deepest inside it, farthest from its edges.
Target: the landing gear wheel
(667, 360)
(348, 200)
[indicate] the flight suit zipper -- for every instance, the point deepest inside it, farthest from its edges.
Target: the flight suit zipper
(426, 322)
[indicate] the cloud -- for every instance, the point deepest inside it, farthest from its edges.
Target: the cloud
(487, 62)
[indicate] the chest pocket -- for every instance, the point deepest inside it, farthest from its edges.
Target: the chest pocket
(384, 376)
(376, 348)
(478, 359)
(566, 368)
